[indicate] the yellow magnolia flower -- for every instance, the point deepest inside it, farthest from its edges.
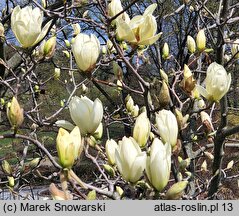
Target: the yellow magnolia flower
(167, 125)
(217, 82)
(26, 24)
(130, 160)
(86, 50)
(158, 164)
(141, 29)
(85, 113)
(142, 129)
(68, 146)
(114, 8)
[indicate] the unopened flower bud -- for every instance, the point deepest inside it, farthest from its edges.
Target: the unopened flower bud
(165, 51)
(91, 141)
(164, 76)
(85, 14)
(76, 28)
(67, 43)
(195, 93)
(62, 103)
(11, 181)
(164, 95)
(191, 8)
(119, 190)
(119, 84)
(109, 169)
(117, 70)
(36, 88)
(66, 53)
(15, 113)
(1, 30)
(235, 49)
(204, 166)
(142, 129)
(104, 50)
(43, 3)
(124, 45)
(110, 46)
(186, 1)
(151, 136)
(110, 148)
(143, 184)
(99, 132)
(186, 72)
(183, 164)
(2, 101)
(189, 174)
(129, 103)
(209, 155)
(23, 70)
(57, 73)
(149, 99)
(230, 164)
(176, 191)
(182, 120)
(201, 40)
(34, 163)
(207, 122)
(135, 111)
(49, 47)
(59, 194)
(179, 176)
(191, 44)
(201, 104)
(91, 195)
(7, 169)
(84, 88)
(188, 83)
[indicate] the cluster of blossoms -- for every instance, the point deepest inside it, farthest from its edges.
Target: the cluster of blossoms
(129, 155)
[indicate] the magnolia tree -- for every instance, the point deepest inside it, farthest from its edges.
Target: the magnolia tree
(163, 70)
